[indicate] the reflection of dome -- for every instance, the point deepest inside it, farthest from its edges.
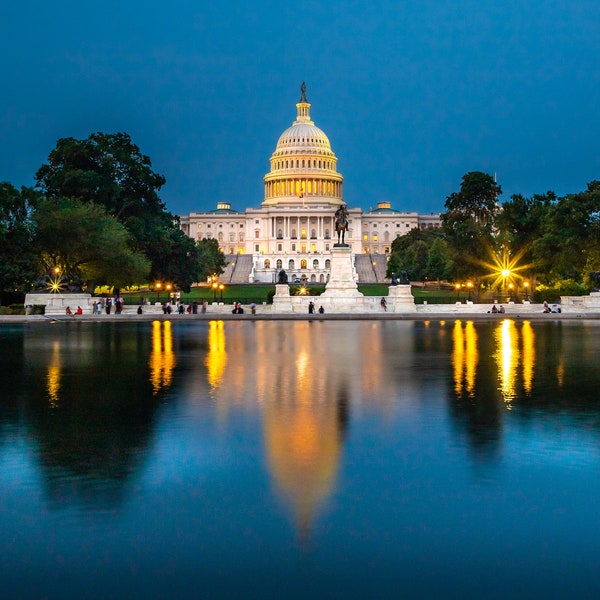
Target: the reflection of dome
(303, 166)
(303, 448)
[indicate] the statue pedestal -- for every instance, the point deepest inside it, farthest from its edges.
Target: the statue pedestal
(400, 299)
(282, 301)
(341, 282)
(56, 304)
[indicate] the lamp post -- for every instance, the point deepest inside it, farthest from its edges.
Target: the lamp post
(215, 285)
(157, 287)
(221, 286)
(457, 288)
(510, 291)
(526, 286)
(469, 287)
(169, 290)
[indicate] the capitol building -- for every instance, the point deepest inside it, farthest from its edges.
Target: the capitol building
(294, 228)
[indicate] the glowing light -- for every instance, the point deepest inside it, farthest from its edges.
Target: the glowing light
(56, 283)
(504, 269)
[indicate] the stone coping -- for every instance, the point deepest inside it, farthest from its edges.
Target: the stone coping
(227, 316)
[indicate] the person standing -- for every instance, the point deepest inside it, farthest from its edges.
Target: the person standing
(383, 304)
(311, 308)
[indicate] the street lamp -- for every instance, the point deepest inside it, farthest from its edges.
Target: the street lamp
(526, 285)
(221, 286)
(457, 288)
(169, 290)
(215, 285)
(510, 290)
(157, 287)
(470, 287)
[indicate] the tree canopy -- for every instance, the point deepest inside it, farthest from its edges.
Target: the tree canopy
(86, 244)
(110, 171)
(18, 260)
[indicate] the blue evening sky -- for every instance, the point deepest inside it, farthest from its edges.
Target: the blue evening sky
(412, 94)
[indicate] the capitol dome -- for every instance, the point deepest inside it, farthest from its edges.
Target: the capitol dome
(303, 166)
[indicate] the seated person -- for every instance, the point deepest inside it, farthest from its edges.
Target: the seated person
(69, 312)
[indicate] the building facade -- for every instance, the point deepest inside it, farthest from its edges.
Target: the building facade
(294, 227)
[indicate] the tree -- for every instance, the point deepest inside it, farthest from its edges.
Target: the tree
(18, 261)
(210, 259)
(469, 224)
(413, 253)
(568, 246)
(86, 244)
(109, 170)
(520, 223)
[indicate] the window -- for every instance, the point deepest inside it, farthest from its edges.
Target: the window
(256, 233)
(315, 264)
(279, 263)
(327, 235)
(279, 234)
(267, 263)
(313, 234)
(291, 264)
(279, 247)
(256, 248)
(303, 234)
(303, 263)
(293, 247)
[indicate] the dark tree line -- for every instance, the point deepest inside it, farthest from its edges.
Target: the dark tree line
(544, 239)
(96, 217)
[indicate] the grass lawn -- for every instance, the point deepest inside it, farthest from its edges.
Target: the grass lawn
(247, 293)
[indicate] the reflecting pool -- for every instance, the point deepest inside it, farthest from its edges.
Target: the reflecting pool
(300, 458)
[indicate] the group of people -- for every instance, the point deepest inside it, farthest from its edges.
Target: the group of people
(555, 308)
(498, 309)
(70, 313)
(311, 308)
(107, 304)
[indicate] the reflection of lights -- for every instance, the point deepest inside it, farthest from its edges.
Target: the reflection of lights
(507, 358)
(216, 357)
(53, 377)
(162, 358)
(464, 358)
(528, 355)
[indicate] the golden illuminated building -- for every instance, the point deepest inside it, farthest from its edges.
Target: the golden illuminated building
(294, 227)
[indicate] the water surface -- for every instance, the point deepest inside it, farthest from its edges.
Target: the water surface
(296, 458)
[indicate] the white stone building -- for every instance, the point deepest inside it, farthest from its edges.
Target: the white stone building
(294, 227)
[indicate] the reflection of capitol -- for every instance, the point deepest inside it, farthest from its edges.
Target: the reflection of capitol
(305, 380)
